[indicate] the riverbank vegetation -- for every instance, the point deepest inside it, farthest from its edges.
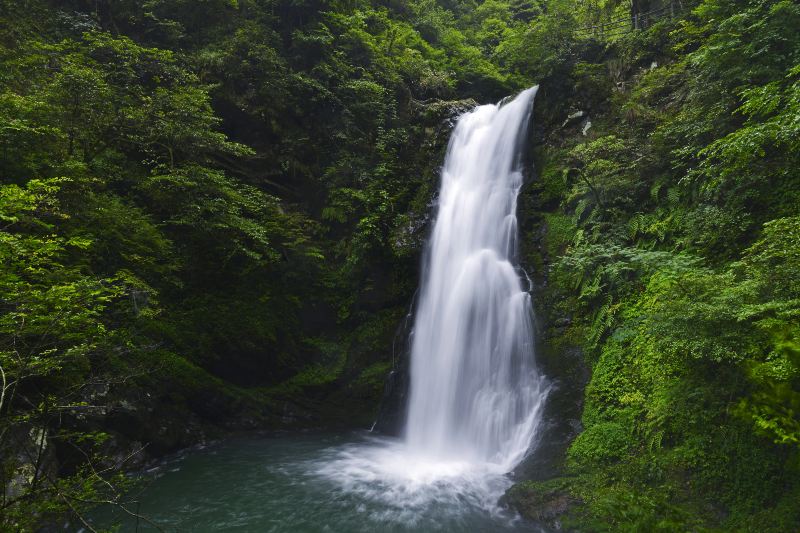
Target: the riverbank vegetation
(212, 213)
(676, 243)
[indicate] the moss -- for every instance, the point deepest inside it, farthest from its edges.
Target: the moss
(332, 359)
(552, 177)
(560, 232)
(603, 442)
(373, 376)
(547, 502)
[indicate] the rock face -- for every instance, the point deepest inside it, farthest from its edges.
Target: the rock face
(440, 117)
(392, 414)
(557, 356)
(392, 411)
(560, 361)
(546, 507)
(33, 458)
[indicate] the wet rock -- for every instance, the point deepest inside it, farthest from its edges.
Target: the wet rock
(587, 124)
(33, 458)
(572, 117)
(547, 507)
(409, 236)
(440, 117)
(408, 240)
(391, 416)
(120, 453)
(562, 322)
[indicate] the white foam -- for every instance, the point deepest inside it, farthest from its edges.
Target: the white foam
(404, 485)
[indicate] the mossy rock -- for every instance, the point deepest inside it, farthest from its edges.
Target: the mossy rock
(547, 503)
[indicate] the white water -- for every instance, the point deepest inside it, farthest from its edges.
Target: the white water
(475, 393)
(476, 397)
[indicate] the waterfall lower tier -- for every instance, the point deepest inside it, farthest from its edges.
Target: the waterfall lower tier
(475, 392)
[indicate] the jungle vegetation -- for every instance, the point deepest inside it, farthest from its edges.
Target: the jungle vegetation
(211, 211)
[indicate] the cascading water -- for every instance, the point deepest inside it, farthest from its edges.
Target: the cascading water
(475, 398)
(475, 393)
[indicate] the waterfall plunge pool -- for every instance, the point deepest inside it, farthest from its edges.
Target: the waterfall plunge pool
(310, 482)
(475, 396)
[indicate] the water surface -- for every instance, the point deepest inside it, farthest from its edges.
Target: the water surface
(320, 483)
(475, 394)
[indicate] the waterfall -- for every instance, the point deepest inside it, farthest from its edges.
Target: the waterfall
(475, 395)
(475, 392)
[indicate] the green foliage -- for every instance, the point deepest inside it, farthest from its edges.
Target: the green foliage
(220, 200)
(53, 334)
(684, 268)
(602, 442)
(202, 201)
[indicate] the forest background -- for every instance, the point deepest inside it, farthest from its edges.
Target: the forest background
(212, 215)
